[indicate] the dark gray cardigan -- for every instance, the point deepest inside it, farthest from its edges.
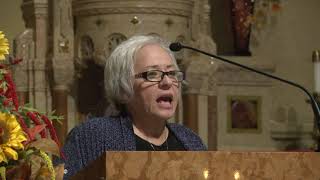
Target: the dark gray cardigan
(91, 139)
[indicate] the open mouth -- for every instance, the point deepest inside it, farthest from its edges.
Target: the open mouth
(165, 99)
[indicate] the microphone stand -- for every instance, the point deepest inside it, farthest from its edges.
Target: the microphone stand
(316, 111)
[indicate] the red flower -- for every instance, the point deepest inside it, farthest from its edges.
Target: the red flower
(36, 121)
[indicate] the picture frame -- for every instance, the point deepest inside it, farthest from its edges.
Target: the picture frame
(244, 114)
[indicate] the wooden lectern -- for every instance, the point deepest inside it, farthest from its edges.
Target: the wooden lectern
(195, 165)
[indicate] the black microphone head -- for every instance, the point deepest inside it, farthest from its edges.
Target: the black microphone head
(175, 46)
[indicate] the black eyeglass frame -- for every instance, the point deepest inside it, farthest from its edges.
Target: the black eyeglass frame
(144, 75)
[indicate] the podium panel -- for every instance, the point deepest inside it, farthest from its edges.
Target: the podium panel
(200, 165)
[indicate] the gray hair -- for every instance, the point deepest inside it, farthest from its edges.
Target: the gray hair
(119, 68)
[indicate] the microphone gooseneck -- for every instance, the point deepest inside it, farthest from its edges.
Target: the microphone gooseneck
(176, 46)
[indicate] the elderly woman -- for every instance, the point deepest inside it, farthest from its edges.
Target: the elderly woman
(143, 82)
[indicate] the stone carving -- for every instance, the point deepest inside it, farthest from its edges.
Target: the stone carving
(62, 61)
(206, 21)
(233, 75)
(24, 48)
(177, 7)
(197, 64)
(135, 20)
(63, 33)
(64, 45)
(63, 73)
(134, 10)
(100, 56)
(86, 47)
(202, 66)
(65, 15)
(35, 13)
(113, 41)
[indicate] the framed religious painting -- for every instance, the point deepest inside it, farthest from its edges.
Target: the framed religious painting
(244, 114)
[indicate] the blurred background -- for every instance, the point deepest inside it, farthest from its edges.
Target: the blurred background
(65, 43)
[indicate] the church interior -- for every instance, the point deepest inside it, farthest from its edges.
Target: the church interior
(65, 43)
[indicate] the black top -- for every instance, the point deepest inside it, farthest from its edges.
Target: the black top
(171, 144)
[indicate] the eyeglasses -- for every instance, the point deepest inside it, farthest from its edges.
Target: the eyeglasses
(157, 75)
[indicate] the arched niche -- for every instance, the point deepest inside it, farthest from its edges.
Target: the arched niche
(113, 41)
(90, 92)
(86, 47)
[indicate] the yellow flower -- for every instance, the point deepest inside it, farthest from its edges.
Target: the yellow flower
(11, 137)
(4, 46)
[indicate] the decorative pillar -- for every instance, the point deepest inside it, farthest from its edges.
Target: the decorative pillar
(63, 77)
(62, 62)
(39, 93)
(206, 18)
(190, 111)
(24, 49)
(39, 75)
(200, 80)
(60, 104)
(35, 14)
(212, 123)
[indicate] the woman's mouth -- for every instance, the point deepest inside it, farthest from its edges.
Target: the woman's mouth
(165, 101)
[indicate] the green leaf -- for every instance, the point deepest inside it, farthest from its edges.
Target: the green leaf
(27, 108)
(29, 152)
(3, 172)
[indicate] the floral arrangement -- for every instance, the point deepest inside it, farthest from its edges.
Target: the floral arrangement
(256, 12)
(264, 10)
(251, 19)
(27, 137)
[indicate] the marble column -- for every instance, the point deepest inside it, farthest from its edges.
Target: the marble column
(39, 89)
(190, 111)
(62, 62)
(212, 123)
(24, 49)
(60, 104)
(63, 77)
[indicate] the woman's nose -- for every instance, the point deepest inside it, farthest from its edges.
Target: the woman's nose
(166, 82)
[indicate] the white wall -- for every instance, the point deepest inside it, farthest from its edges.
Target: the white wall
(287, 43)
(11, 22)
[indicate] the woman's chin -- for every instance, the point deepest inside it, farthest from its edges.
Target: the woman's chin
(165, 115)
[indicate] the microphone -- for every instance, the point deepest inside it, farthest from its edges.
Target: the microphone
(176, 46)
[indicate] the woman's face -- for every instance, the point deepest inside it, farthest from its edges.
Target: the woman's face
(156, 100)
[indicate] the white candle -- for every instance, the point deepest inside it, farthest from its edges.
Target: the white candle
(316, 61)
